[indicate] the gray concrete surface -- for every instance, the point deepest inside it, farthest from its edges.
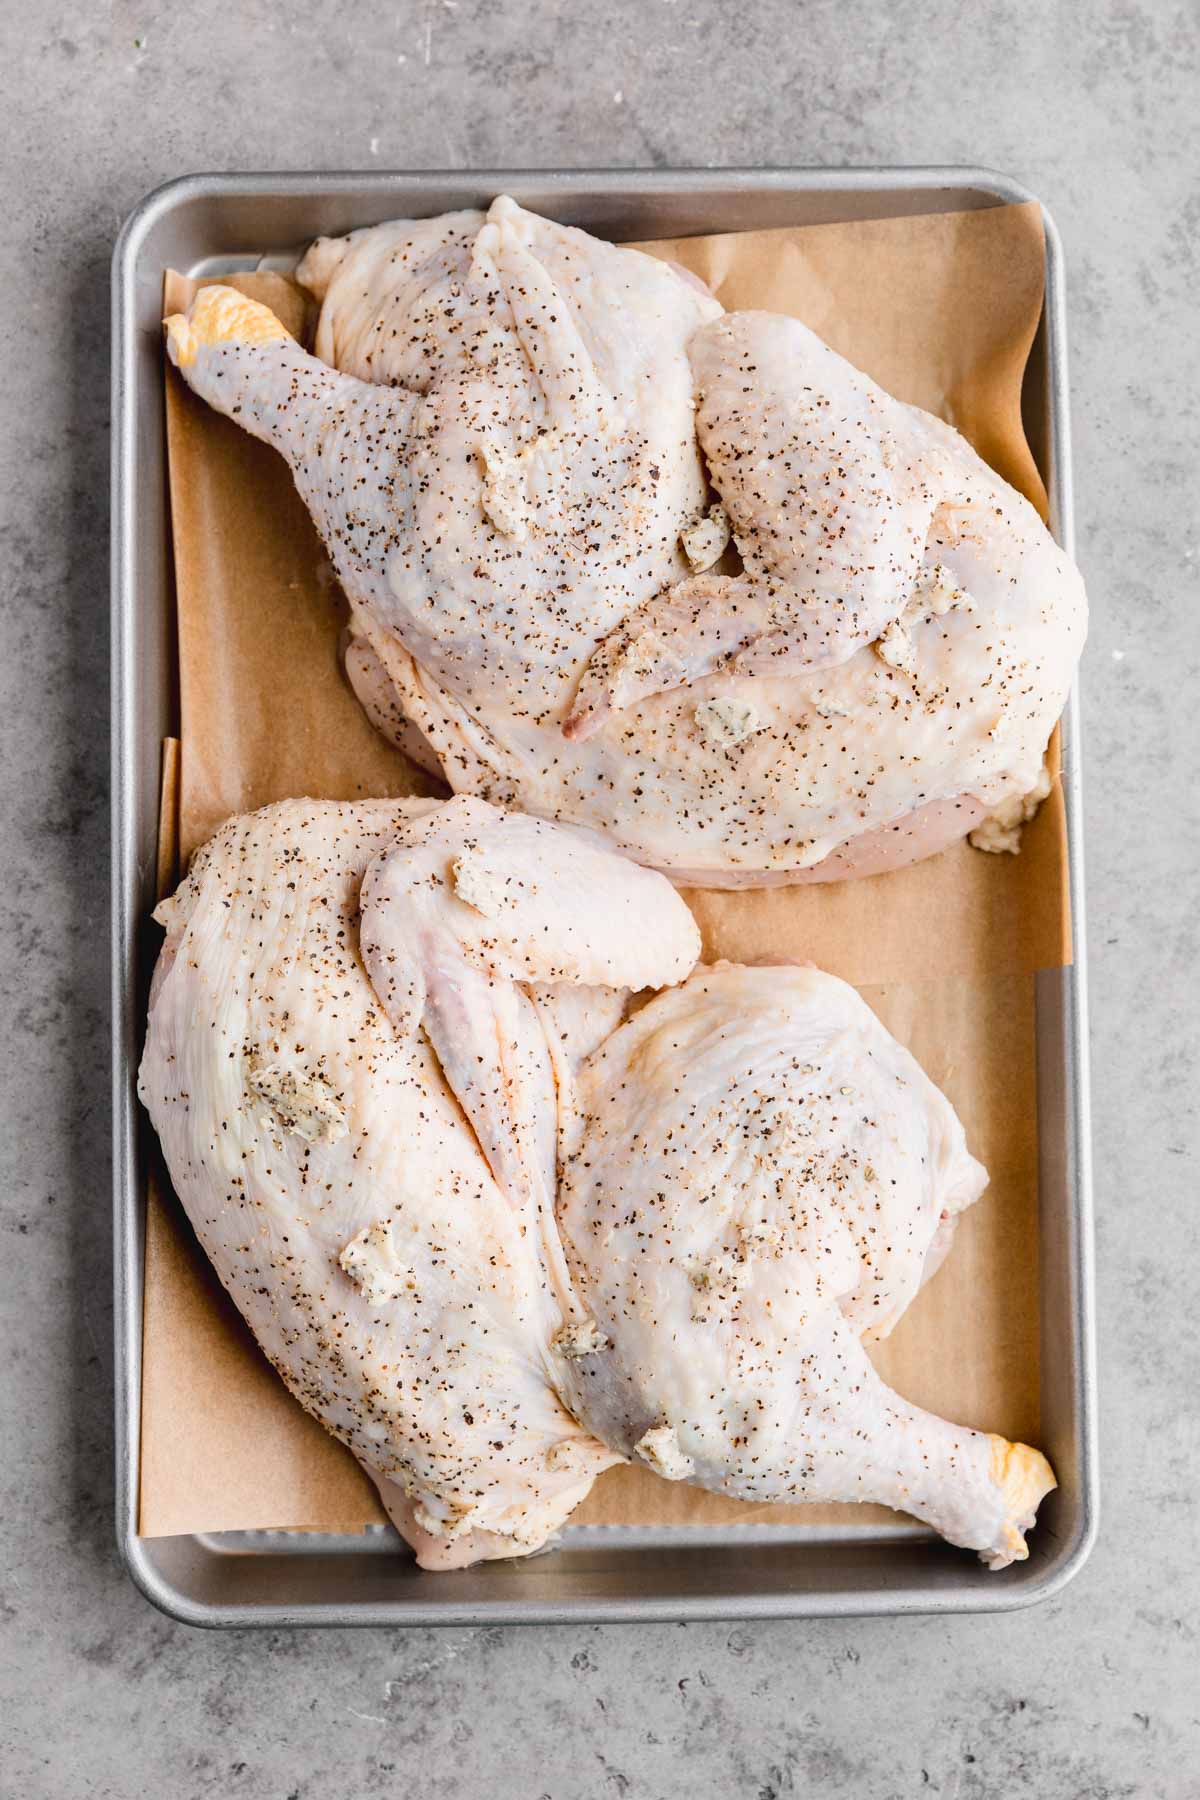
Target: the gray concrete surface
(1094, 106)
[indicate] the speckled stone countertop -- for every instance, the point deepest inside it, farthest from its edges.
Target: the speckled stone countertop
(1096, 1693)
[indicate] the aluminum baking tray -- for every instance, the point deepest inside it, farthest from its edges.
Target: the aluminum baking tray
(218, 223)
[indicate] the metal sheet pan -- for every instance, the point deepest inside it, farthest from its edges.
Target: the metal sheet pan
(214, 223)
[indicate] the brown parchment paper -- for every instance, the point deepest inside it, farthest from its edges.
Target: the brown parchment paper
(942, 309)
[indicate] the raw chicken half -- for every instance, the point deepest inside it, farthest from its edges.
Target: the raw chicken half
(496, 1234)
(497, 439)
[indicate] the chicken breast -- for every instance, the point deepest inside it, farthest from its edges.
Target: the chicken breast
(408, 1292)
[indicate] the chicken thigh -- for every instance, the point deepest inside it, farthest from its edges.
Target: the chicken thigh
(498, 1235)
(504, 467)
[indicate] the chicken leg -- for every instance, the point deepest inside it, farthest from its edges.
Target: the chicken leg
(845, 505)
(758, 1178)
